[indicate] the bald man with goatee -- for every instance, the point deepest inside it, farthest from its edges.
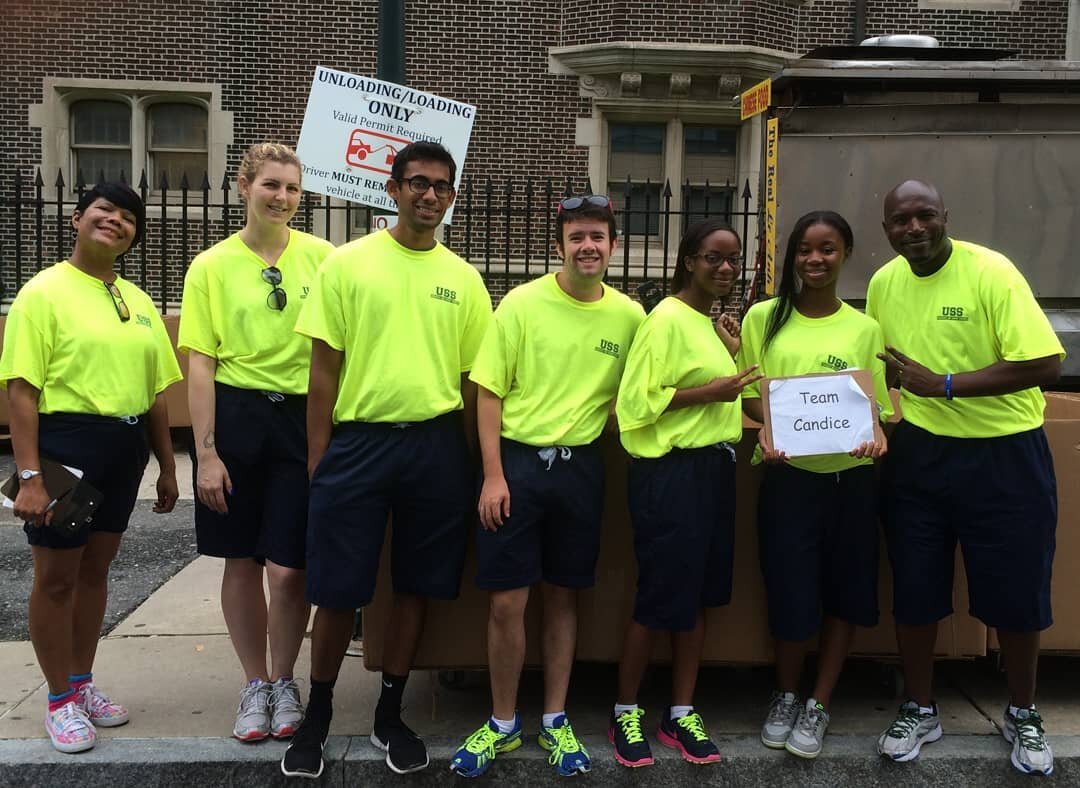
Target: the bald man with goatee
(969, 347)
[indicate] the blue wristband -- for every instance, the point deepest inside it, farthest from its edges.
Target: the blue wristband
(948, 385)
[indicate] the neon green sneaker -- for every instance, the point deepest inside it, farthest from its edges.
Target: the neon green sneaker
(475, 756)
(568, 756)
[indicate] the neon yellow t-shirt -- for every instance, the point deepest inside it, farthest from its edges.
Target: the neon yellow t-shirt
(409, 323)
(675, 348)
(974, 311)
(846, 339)
(64, 337)
(225, 314)
(555, 361)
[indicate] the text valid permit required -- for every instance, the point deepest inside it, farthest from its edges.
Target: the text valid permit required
(819, 414)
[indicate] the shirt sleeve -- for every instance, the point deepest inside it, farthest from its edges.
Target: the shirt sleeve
(28, 345)
(322, 316)
(496, 361)
(477, 321)
(196, 330)
(645, 391)
(1022, 329)
(750, 348)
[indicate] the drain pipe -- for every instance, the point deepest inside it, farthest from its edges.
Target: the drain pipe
(859, 33)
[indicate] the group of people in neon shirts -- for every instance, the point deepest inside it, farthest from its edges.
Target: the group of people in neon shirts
(331, 387)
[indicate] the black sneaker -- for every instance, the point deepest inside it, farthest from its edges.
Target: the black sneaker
(631, 746)
(688, 736)
(405, 751)
(303, 758)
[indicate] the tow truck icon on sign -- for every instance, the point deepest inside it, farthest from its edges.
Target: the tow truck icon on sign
(370, 150)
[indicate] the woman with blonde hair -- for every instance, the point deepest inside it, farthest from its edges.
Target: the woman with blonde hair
(248, 378)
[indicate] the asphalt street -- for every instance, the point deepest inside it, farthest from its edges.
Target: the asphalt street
(154, 548)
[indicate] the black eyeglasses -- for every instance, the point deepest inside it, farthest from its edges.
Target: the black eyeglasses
(573, 203)
(418, 184)
(714, 259)
(122, 310)
(277, 298)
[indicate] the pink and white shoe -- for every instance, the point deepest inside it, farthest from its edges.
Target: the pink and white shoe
(102, 712)
(70, 728)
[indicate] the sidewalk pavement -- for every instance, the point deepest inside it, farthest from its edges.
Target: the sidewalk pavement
(172, 664)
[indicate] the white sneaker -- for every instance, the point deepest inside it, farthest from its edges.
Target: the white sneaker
(809, 732)
(783, 709)
(97, 706)
(70, 728)
(286, 711)
(253, 713)
(909, 732)
(1031, 752)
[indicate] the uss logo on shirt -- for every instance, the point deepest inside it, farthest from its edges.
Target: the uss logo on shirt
(445, 294)
(835, 363)
(608, 348)
(952, 313)
(143, 320)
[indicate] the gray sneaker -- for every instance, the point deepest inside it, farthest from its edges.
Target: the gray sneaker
(783, 709)
(286, 711)
(809, 731)
(909, 732)
(253, 713)
(1031, 752)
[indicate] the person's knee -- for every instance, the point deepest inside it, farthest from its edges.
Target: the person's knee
(507, 608)
(286, 583)
(55, 587)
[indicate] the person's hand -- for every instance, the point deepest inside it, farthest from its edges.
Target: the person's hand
(167, 492)
(213, 484)
(872, 449)
(727, 389)
(768, 454)
(494, 504)
(912, 375)
(32, 502)
(730, 333)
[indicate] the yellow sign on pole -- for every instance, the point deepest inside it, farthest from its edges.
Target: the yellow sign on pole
(772, 149)
(756, 100)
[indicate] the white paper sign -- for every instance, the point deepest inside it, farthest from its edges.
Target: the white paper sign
(821, 414)
(354, 126)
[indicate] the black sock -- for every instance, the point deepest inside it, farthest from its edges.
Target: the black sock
(321, 698)
(388, 709)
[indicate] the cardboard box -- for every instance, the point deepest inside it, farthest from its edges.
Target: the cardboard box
(1063, 434)
(176, 394)
(455, 636)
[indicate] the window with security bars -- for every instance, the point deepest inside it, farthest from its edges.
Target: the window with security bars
(636, 151)
(708, 172)
(176, 143)
(101, 139)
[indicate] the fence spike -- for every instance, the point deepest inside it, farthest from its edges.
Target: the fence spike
(59, 179)
(101, 176)
(205, 186)
(143, 183)
(184, 182)
(123, 178)
(38, 180)
(667, 188)
(508, 190)
(548, 189)
(163, 184)
(569, 190)
(80, 181)
(225, 183)
(746, 190)
(529, 186)
(627, 188)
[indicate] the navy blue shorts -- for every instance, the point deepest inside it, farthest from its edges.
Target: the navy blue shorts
(682, 507)
(262, 440)
(553, 532)
(421, 474)
(819, 547)
(111, 453)
(998, 498)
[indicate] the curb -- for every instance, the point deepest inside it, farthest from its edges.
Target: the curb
(847, 760)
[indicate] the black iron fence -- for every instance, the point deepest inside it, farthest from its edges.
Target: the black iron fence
(505, 229)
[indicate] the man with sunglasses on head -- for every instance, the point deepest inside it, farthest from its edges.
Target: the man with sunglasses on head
(547, 373)
(395, 320)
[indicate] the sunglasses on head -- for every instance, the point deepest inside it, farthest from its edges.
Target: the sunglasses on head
(596, 200)
(277, 298)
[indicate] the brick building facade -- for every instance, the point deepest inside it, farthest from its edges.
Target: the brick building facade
(592, 92)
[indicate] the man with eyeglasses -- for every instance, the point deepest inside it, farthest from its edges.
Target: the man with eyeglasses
(396, 320)
(547, 373)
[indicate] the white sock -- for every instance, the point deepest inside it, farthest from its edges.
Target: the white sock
(926, 710)
(549, 718)
(622, 708)
(504, 726)
(680, 711)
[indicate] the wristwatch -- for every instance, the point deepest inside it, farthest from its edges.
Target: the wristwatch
(27, 475)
